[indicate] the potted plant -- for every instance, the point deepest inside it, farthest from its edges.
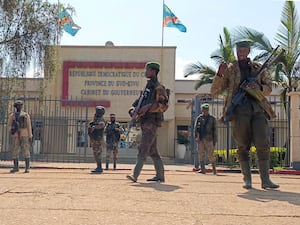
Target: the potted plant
(182, 142)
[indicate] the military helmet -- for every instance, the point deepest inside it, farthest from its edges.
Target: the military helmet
(18, 102)
(205, 106)
(100, 110)
(153, 65)
(244, 43)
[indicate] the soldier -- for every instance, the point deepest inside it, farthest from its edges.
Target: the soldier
(19, 126)
(150, 117)
(250, 121)
(96, 133)
(206, 136)
(113, 132)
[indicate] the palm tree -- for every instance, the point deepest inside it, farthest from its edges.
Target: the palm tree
(287, 71)
(207, 73)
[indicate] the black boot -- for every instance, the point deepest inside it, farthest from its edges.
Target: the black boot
(202, 167)
(99, 168)
(137, 170)
(106, 164)
(214, 168)
(115, 164)
(16, 166)
(263, 167)
(160, 171)
(245, 167)
(27, 165)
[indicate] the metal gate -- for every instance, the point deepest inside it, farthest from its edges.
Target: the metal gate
(60, 133)
(226, 149)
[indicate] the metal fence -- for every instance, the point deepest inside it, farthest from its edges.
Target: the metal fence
(60, 132)
(226, 149)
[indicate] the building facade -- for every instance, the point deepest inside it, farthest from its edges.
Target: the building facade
(112, 76)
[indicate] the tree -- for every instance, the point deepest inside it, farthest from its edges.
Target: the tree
(206, 73)
(29, 36)
(287, 72)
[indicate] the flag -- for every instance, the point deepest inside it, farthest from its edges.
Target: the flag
(170, 20)
(66, 21)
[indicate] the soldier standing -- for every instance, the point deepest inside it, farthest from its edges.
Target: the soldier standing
(113, 132)
(150, 116)
(19, 126)
(96, 134)
(206, 136)
(250, 120)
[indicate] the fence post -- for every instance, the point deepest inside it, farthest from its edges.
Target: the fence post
(295, 130)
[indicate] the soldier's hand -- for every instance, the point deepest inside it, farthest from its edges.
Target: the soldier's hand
(144, 109)
(30, 140)
(222, 69)
(130, 112)
(253, 85)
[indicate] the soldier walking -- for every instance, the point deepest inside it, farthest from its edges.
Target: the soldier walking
(150, 116)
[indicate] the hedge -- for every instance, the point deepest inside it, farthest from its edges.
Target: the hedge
(277, 156)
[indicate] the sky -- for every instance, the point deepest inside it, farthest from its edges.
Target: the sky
(139, 23)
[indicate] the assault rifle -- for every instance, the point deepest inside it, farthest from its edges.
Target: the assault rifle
(15, 126)
(245, 87)
(134, 114)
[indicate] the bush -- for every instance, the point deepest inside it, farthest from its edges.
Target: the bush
(277, 156)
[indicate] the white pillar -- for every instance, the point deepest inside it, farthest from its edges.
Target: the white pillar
(295, 130)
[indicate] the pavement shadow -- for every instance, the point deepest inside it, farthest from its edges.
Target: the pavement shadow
(262, 195)
(158, 186)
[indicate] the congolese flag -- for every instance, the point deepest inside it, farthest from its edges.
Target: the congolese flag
(170, 20)
(66, 21)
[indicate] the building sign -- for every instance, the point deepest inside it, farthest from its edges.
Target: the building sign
(99, 83)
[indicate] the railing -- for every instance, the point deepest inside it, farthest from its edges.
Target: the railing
(60, 133)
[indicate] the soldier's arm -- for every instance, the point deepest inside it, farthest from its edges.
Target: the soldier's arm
(215, 131)
(266, 83)
(29, 128)
(195, 129)
(220, 81)
(9, 122)
(161, 101)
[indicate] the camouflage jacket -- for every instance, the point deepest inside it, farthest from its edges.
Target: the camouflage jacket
(205, 128)
(96, 134)
(113, 132)
(229, 83)
(24, 124)
(157, 99)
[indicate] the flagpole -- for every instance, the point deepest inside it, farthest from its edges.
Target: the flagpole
(162, 42)
(162, 32)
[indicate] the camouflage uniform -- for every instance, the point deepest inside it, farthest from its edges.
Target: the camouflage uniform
(19, 126)
(97, 139)
(157, 102)
(206, 136)
(250, 121)
(113, 132)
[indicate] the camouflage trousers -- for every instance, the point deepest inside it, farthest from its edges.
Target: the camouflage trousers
(20, 143)
(250, 126)
(97, 146)
(148, 146)
(207, 147)
(112, 149)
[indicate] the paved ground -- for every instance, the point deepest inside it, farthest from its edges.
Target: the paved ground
(69, 194)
